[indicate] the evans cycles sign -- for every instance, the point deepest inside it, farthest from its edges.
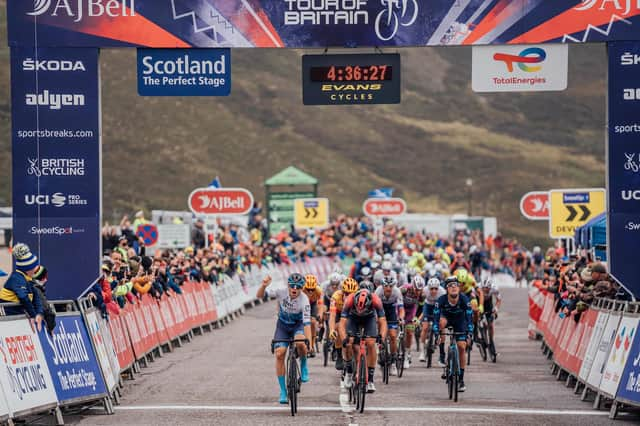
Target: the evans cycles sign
(220, 201)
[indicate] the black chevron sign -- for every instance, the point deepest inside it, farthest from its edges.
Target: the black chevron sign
(573, 213)
(312, 212)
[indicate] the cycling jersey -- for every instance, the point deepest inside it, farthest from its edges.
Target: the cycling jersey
(430, 303)
(376, 307)
(488, 299)
(391, 305)
(315, 297)
(368, 322)
(291, 311)
(468, 285)
(411, 296)
(337, 302)
(458, 316)
(328, 290)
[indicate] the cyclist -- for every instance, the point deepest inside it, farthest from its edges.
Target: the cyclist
(490, 290)
(362, 309)
(328, 288)
(386, 269)
(313, 292)
(294, 318)
(433, 292)
(454, 309)
(412, 296)
(365, 274)
(393, 306)
(366, 284)
(349, 286)
(469, 288)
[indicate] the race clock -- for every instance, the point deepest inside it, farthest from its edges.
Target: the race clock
(351, 79)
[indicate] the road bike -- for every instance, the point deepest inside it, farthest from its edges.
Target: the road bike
(360, 375)
(402, 351)
(452, 366)
(429, 346)
(416, 334)
(385, 359)
(292, 374)
(481, 337)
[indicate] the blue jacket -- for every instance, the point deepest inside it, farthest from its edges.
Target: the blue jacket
(19, 289)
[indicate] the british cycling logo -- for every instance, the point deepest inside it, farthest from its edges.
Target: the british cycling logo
(78, 9)
(392, 15)
(55, 167)
(531, 55)
(623, 6)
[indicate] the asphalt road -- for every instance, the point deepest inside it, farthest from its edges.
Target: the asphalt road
(227, 377)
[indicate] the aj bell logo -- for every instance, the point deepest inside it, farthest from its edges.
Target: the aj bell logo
(622, 6)
(79, 8)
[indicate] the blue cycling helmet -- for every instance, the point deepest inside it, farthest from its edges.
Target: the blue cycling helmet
(296, 280)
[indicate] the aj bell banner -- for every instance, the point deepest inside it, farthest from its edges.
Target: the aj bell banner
(624, 163)
(56, 162)
(317, 23)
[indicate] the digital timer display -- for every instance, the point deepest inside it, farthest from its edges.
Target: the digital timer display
(351, 73)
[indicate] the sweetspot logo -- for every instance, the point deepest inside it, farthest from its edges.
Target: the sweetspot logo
(531, 55)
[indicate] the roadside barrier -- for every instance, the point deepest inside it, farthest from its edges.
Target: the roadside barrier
(87, 356)
(597, 351)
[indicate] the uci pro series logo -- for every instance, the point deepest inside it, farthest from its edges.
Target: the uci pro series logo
(78, 9)
(531, 55)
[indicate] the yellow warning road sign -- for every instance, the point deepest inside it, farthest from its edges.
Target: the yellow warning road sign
(571, 208)
(311, 212)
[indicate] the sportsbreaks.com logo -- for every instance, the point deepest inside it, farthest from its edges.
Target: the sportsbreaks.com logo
(78, 9)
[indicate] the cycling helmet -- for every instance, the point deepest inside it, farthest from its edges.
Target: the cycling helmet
(389, 281)
(433, 283)
(451, 280)
(335, 278)
(462, 274)
(296, 280)
(365, 273)
(487, 283)
(387, 266)
(376, 258)
(366, 284)
(349, 285)
(311, 282)
(418, 282)
(387, 256)
(362, 302)
(438, 267)
(411, 272)
(432, 272)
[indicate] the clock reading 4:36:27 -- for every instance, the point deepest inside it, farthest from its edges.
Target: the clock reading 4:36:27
(352, 73)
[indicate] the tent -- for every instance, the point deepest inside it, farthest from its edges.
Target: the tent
(593, 235)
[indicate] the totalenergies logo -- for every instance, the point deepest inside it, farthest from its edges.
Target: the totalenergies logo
(531, 55)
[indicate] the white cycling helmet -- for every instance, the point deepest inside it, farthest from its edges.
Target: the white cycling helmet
(432, 272)
(387, 256)
(335, 278)
(487, 283)
(387, 266)
(418, 282)
(433, 283)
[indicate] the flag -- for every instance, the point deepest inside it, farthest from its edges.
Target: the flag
(215, 183)
(381, 193)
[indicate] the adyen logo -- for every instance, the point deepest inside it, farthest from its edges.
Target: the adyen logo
(78, 9)
(531, 55)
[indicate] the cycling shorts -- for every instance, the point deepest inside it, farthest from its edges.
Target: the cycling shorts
(390, 313)
(410, 313)
(459, 326)
(427, 312)
(370, 324)
(489, 315)
(284, 331)
(314, 310)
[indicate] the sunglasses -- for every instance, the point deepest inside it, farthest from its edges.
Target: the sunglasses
(296, 286)
(452, 285)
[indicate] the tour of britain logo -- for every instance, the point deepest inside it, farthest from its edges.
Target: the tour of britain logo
(392, 15)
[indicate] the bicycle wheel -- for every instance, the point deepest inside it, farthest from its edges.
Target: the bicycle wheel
(429, 349)
(492, 352)
(482, 344)
(325, 352)
(449, 373)
(292, 381)
(416, 336)
(362, 382)
(400, 360)
(469, 353)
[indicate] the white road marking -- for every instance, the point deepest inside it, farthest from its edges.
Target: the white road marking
(460, 410)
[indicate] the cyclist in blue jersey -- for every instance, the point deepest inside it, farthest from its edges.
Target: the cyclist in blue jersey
(454, 310)
(294, 319)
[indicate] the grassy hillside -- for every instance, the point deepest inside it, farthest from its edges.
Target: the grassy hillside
(157, 149)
